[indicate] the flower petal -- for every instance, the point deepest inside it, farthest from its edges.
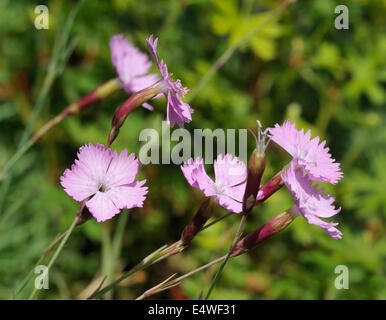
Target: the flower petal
(327, 227)
(195, 174)
(128, 196)
(309, 154)
(77, 183)
(177, 110)
(102, 207)
(131, 64)
(152, 46)
(88, 172)
(122, 170)
(141, 82)
(147, 106)
(229, 203)
(235, 192)
(229, 170)
(310, 202)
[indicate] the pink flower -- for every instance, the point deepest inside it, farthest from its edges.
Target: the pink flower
(177, 110)
(132, 65)
(106, 180)
(228, 189)
(308, 154)
(310, 202)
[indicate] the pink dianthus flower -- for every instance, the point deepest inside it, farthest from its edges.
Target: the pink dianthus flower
(310, 202)
(229, 185)
(177, 111)
(105, 180)
(313, 157)
(132, 66)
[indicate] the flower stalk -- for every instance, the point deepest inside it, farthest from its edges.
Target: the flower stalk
(42, 257)
(156, 256)
(135, 100)
(98, 94)
(170, 282)
(58, 250)
(227, 256)
(275, 225)
(272, 227)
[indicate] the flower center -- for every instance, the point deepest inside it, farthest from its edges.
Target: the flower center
(102, 188)
(220, 187)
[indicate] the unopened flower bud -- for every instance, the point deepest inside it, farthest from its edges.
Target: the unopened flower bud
(196, 224)
(130, 104)
(273, 226)
(274, 184)
(256, 166)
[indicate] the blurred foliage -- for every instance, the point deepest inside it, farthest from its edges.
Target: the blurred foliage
(298, 67)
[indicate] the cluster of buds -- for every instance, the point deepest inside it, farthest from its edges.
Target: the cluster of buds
(237, 188)
(310, 202)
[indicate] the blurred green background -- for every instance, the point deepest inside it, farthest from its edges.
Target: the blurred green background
(298, 67)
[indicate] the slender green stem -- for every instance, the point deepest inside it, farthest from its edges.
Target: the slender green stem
(111, 249)
(100, 293)
(54, 69)
(58, 250)
(217, 220)
(272, 227)
(101, 92)
(148, 261)
(42, 257)
(118, 235)
(234, 242)
(107, 256)
(169, 284)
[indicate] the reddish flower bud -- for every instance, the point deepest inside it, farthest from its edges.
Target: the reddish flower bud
(130, 104)
(274, 184)
(196, 224)
(273, 226)
(256, 166)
